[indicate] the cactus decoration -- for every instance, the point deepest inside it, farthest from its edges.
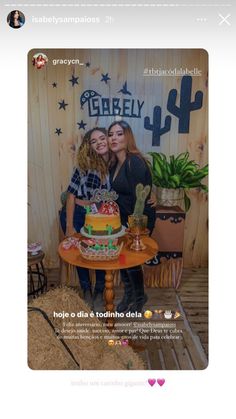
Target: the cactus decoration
(87, 209)
(141, 195)
(185, 105)
(109, 229)
(110, 245)
(89, 228)
(155, 127)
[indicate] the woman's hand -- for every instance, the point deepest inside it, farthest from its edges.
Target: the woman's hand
(152, 200)
(83, 202)
(70, 231)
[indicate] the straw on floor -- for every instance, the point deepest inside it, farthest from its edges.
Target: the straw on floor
(46, 351)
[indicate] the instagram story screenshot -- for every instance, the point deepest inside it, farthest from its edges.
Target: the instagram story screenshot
(117, 206)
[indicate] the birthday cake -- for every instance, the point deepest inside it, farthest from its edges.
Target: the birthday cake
(103, 219)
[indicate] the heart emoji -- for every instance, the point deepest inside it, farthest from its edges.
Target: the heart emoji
(151, 381)
(161, 381)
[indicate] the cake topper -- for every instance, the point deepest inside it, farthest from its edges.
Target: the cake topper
(100, 195)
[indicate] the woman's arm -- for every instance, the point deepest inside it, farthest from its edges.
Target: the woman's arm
(72, 192)
(70, 207)
(152, 201)
(83, 202)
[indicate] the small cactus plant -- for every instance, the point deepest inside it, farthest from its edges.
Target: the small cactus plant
(141, 194)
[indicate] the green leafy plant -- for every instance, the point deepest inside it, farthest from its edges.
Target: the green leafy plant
(177, 172)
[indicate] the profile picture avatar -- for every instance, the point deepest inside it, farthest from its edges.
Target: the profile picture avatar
(39, 60)
(16, 19)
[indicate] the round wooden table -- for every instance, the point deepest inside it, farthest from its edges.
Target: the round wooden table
(127, 259)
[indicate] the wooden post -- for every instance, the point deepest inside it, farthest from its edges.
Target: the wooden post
(109, 297)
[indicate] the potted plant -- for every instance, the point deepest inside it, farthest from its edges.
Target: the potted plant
(138, 220)
(174, 176)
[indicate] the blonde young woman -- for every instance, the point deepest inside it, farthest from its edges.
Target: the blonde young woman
(91, 173)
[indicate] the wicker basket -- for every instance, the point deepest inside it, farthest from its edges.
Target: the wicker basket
(170, 197)
(100, 257)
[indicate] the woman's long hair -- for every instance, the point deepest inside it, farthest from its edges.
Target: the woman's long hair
(131, 143)
(88, 159)
(12, 20)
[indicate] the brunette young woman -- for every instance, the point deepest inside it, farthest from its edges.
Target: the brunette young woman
(130, 169)
(15, 20)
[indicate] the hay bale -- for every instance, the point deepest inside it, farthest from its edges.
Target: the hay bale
(89, 354)
(45, 352)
